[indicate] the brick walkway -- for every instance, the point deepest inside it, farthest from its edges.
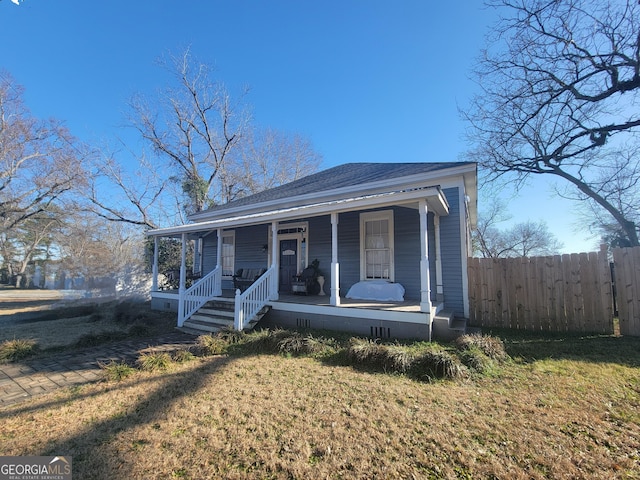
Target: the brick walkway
(23, 380)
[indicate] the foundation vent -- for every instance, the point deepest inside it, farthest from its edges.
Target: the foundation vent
(381, 332)
(303, 323)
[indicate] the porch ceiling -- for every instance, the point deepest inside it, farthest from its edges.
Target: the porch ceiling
(434, 197)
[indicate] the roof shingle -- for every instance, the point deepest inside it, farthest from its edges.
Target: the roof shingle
(346, 175)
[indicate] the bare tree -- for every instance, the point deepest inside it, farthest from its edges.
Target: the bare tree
(91, 246)
(39, 160)
(531, 239)
(524, 239)
(269, 158)
(560, 92)
(29, 241)
(487, 239)
(195, 126)
(619, 183)
(40, 164)
(205, 152)
(126, 195)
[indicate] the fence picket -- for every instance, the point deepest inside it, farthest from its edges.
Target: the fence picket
(571, 292)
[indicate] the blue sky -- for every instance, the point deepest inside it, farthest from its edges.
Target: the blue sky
(365, 80)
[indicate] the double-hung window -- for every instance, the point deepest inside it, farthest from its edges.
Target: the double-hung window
(228, 253)
(376, 252)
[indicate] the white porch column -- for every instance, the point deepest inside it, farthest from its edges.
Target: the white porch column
(335, 266)
(218, 287)
(439, 288)
(425, 288)
(154, 268)
(183, 279)
(274, 260)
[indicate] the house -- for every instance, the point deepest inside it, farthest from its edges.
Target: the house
(392, 242)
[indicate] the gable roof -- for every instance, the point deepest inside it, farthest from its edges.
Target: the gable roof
(341, 176)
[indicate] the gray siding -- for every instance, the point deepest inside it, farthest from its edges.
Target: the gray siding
(406, 249)
(406, 223)
(209, 252)
(249, 251)
(451, 248)
(250, 240)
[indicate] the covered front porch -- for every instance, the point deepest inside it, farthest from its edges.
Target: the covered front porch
(380, 319)
(336, 234)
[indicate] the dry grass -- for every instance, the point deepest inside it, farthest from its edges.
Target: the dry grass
(547, 415)
(87, 325)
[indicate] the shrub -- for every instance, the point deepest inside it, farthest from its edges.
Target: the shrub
(16, 349)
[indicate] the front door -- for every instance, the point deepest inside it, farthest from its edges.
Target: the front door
(288, 263)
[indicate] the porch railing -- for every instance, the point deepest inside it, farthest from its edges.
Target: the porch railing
(251, 301)
(198, 294)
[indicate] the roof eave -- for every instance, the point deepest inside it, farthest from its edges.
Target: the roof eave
(434, 196)
(405, 182)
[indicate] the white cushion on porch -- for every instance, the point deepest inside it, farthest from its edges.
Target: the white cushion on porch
(377, 290)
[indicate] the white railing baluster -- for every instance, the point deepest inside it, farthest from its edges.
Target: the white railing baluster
(251, 301)
(198, 294)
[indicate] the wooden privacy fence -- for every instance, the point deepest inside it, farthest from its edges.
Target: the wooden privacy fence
(626, 268)
(559, 293)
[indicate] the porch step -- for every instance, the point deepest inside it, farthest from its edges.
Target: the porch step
(447, 327)
(216, 315)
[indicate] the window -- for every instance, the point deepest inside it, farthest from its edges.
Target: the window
(376, 237)
(228, 253)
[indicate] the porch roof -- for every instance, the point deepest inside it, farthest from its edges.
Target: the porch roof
(434, 197)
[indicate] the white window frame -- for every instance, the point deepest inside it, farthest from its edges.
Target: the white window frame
(227, 234)
(371, 217)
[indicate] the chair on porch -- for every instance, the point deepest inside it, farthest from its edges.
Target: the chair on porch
(306, 282)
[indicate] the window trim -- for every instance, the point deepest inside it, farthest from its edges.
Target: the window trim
(373, 216)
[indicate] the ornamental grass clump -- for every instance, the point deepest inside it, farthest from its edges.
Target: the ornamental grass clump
(265, 341)
(369, 352)
(437, 364)
(492, 347)
(155, 361)
(17, 349)
(207, 345)
(231, 336)
(116, 371)
(182, 355)
(298, 344)
(365, 351)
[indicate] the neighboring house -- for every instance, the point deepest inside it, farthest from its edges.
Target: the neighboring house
(395, 236)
